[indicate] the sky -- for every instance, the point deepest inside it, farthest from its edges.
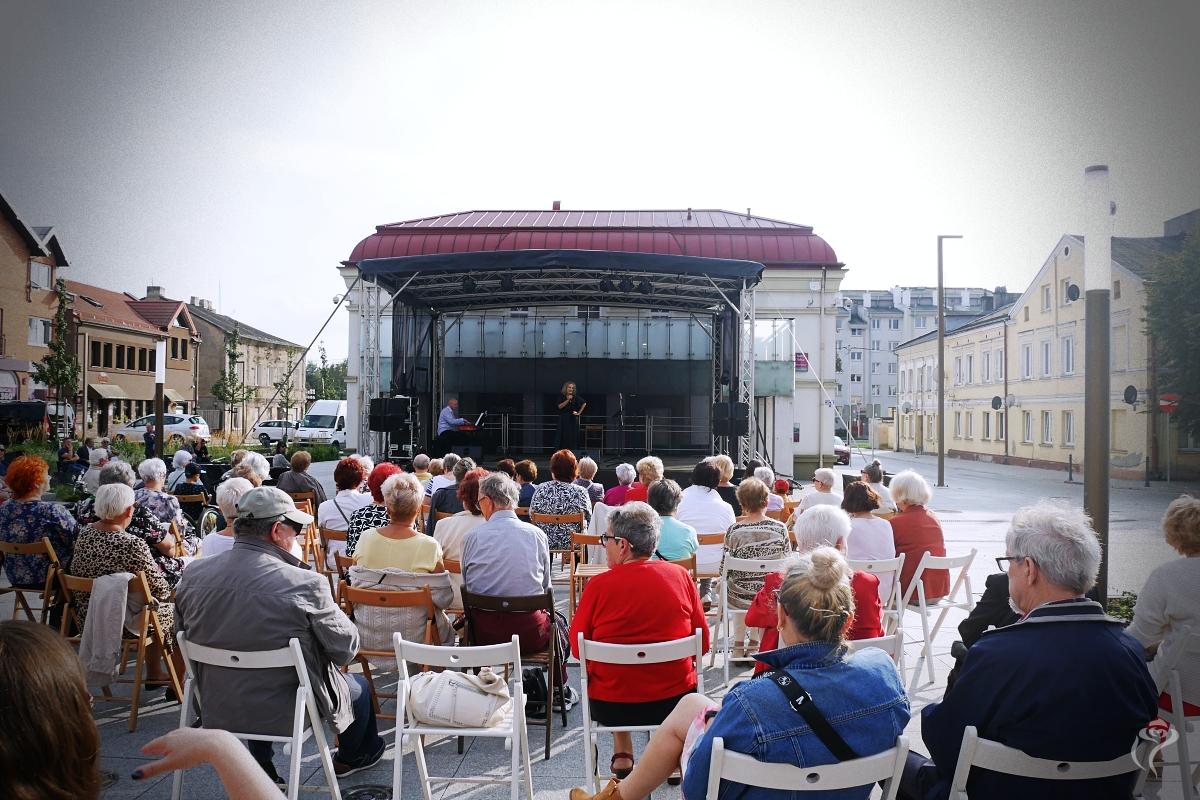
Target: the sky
(237, 151)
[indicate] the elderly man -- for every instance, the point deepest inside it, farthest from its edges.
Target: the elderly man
(821, 493)
(1065, 682)
(420, 467)
(257, 596)
(297, 478)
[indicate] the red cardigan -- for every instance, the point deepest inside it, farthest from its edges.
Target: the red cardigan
(867, 622)
(918, 532)
(636, 603)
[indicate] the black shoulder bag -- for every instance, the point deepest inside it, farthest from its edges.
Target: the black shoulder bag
(802, 704)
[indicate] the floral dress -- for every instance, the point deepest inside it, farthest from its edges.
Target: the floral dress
(26, 522)
(556, 497)
(99, 552)
(165, 507)
(361, 521)
(145, 525)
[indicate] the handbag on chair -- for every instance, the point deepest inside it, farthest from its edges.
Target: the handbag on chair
(459, 699)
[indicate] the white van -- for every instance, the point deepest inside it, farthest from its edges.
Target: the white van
(325, 423)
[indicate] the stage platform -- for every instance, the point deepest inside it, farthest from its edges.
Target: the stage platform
(677, 468)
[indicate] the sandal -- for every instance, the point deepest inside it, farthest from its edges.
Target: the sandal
(624, 772)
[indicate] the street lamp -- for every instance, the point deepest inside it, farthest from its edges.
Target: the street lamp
(941, 365)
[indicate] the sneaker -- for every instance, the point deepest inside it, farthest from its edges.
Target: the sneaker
(343, 770)
(569, 698)
(274, 776)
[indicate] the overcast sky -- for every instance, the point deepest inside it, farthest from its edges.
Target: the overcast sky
(238, 151)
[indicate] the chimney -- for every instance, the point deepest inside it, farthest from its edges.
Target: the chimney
(557, 205)
(200, 302)
(154, 293)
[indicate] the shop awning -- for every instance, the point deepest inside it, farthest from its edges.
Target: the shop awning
(174, 396)
(108, 391)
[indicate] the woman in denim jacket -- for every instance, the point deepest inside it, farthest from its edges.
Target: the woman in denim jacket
(860, 695)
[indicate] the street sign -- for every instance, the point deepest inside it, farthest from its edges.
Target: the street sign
(801, 362)
(1168, 403)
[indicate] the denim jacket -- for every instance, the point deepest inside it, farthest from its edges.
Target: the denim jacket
(860, 695)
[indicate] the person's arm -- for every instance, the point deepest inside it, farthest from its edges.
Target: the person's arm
(183, 748)
(732, 724)
(582, 621)
(978, 693)
(566, 401)
(582, 407)
(1150, 614)
(991, 610)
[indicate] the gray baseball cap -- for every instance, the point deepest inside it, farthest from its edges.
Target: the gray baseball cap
(267, 502)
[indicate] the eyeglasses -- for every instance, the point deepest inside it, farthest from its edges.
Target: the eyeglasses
(1000, 562)
(296, 526)
(605, 538)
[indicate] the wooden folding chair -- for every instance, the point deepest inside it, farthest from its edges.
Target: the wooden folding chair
(455, 568)
(351, 597)
(576, 519)
(710, 539)
(41, 548)
(324, 537)
(300, 497)
(148, 632)
(581, 572)
(688, 563)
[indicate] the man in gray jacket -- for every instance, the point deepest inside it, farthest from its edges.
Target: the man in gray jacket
(257, 596)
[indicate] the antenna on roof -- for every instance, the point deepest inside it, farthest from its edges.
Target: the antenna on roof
(689, 216)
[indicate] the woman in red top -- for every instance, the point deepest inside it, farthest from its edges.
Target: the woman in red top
(917, 532)
(637, 601)
(649, 470)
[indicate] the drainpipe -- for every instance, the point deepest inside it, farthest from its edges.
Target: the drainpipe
(1004, 400)
(821, 360)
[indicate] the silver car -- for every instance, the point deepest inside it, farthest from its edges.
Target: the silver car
(176, 428)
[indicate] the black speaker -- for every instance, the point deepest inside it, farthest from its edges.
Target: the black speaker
(377, 407)
(726, 427)
(397, 406)
(720, 411)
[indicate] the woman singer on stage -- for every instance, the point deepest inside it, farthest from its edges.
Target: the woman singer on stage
(570, 408)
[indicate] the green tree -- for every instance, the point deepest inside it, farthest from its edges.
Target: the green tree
(230, 389)
(59, 369)
(285, 389)
(1173, 320)
(327, 380)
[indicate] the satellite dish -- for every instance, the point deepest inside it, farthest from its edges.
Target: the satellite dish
(1072, 292)
(997, 402)
(1131, 394)
(907, 408)
(1010, 401)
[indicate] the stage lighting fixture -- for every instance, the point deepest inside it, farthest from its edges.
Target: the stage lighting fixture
(606, 286)
(644, 287)
(507, 284)
(468, 284)
(626, 285)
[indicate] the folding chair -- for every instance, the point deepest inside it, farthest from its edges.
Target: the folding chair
(455, 568)
(942, 605)
(547, 658)
(688, 563)
(893, 608)
(300, 497)
(305, 708)
(885, 768)
(1185, 649)
(351, 597)
(581, 572)
(628, 654)
(325, 536)
(760, 566)
(893, 645)
(706, 539)
(986, 754)
(576, 519)
(41, 548)
(512, 727)
(148, 632)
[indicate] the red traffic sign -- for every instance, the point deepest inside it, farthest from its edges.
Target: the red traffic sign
(1168, 403)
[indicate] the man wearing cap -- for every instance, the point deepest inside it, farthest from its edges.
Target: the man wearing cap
(257, 596)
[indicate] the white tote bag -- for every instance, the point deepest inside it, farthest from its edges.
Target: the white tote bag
(458, 699)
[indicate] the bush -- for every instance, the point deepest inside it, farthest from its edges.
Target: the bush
(67, 493)
(319, 452)
(1121, 606)
(42, 449)
(128, 451)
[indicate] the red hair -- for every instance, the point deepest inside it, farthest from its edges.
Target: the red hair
(26, 475)
(564, 466)
(378, 475)
(349, 473)
(468, 490)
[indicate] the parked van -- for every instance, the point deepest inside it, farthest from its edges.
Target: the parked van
(325, 423)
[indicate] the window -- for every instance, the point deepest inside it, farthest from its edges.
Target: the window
(1047, 427)
(894, 324)
(856, 331)
(874, 390)
(1068, 428)
(141, 359)
(1116, 290)
(875, 368)
(39, 275)
(969, 374)
(1027, 313)
(587, 312)
(183, 348)
(892, 368)
(876, 345)
(175, 348)
(920, 322)
(120, 356)
(1027, 420)
(152, 355)
(95, 362)
(1001, 416)
(1046, 359)
(41, 332)
(855, 378)
(876, 324)
(985, 368)
(1068, 355)
(958, 373)
(999, 365)
(893, 345)
(987, 425)
(1046, 298)
(970, 424)
(891, 390)
(856, 355)
(1026, 361)
(838, 326)
(958, 423)
(108, 356)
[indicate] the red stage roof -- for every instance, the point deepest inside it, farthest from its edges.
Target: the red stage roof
(706, 233)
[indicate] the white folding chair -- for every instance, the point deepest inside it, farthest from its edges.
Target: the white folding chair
(460, 658)
(885, 767)
(1185, 649)
(893, 645)
(893, 608)
(961, 587)
(761, 566)
(986, 754)
(628, 654)
(285, 657)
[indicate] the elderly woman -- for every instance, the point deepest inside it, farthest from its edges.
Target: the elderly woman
(872, 475)
(399, 545)
(228, 494)
(452, 532)
(446, 500)
(561, 496)
(373, 515)
(587, 471)
(675, 539)
(861, 692)
(767, 476)
(1169, 603)
(870, 537)
(153, 531)
(753, 535)
(725, 488)
(178, 462)
(253, 467)
(235, 458)
(917, 532)
(626, 475)
(297, 478)
(614, 609)
(97, 458)
(26, 519)
(649, 470)
(105, 547)
(526, 478)
(335, 512)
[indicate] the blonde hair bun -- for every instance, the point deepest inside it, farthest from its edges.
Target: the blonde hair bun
(828, 569)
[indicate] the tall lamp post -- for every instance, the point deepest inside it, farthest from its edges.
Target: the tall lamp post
(1097, 282)
(941, 365)
(160, 380)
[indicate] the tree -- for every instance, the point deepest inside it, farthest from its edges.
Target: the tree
(328, 381)
(285, 389)
(59, 369)
(1173, 320)
(230, 389)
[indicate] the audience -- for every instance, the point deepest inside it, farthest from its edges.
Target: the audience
(445, 500)
(859, 694)
(178, 461)
(625, 477)
(452, 531)
(253, 467)
(235, 458)
(587, 471)
(279, 460)
(870, 537)
(257, 596)
(649, 470)
(872, 475)
(675, 539)
(613, 609)
(192, 484)
(97, 458)
(767, 476)
(1063, 683)
(399, 545)
(436, 467)
(508, 467)
(821, 492)
(228, 494)
(561, 496)
(527, 473)
(164, 506)
(702, 508)
(334, 514)
(443, 478)
(297, 478)
(725, 488)
(917, 532)
(375, 514)
(26, 519)
(754, 535)
(420, 467)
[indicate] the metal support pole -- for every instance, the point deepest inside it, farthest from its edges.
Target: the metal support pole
(160, 380)
(941, 366)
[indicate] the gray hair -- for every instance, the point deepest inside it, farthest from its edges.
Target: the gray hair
(1060, 540)
(766, 475)
(826, 476)
(638, 524)
(117, 472)
(96, 457)
(153, 469)
(181, 459)
(112, 499)
(587, 468)
(258, 463)
(821, 526)
(228, 494)
(449, 460)
(244, 527)
(500, 489)
(910, 488)
(664, 496)
(626, 474)
(367, 462)
(463, 466)
(420, 461)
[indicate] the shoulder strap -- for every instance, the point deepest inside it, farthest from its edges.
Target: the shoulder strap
(340, 511)
(802, 703)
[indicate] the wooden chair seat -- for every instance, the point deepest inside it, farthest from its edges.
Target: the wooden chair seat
(40, 548)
